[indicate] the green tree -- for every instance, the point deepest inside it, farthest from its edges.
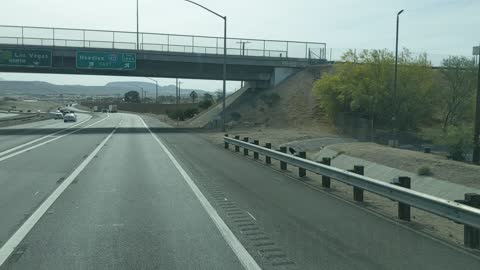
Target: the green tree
(363, 85)
(193, 96)
(132, 97)
(460, 76)
(207, 96)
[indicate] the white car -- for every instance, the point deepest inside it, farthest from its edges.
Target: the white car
(58, 115)
(69, 117)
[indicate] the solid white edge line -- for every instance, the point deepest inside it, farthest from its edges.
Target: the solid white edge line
(49, 141)
(39, 139)
(242, 254)
(20, 234)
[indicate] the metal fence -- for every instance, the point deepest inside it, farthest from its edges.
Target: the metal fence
(464, 213)
(88, 38)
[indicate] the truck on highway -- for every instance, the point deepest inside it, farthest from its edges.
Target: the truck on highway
(112, 108)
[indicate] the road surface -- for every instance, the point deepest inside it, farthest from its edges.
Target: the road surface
(111, 193)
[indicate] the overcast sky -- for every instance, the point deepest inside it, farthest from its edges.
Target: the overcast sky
(439, 27)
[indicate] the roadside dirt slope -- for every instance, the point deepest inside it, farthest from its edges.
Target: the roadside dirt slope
(289, 104)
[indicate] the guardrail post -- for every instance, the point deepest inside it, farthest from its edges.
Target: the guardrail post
(325, 179)
(268, 160)
(283, 165)
(471, 235)
(403, 209)
(358, 192)
(255, 154)
(245, 150)
(301, 171)
(226, 143)
(237, 148)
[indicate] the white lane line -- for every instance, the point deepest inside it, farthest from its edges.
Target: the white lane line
(20, 234)
(251, 215)
(49, 141)
(242, 254)
(39, 139)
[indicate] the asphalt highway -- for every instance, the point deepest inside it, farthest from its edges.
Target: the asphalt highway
(120, 191)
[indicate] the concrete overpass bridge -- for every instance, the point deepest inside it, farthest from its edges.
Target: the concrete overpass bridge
(263, 63)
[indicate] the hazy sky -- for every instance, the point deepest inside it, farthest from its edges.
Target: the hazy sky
(439, 27)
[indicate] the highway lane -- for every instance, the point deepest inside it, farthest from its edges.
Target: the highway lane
(28, 178)
(19, 134)
(305, 226)
(130, 208)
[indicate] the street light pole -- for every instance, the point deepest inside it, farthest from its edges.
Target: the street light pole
(224, 59)
(394, 118)
(156, 89)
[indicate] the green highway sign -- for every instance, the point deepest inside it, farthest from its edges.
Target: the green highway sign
(25, 58)
(106, 60)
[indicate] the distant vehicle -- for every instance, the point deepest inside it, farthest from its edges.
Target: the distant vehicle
(112, 108)
(58, 115)
(70, 117)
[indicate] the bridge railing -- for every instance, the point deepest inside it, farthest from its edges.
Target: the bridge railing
(87, 38)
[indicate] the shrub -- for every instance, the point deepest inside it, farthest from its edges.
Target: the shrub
(235, 116)
(270, 99)
(205, 104)
(457, 139)
(424, 171)
(182, 114)
(190, 112)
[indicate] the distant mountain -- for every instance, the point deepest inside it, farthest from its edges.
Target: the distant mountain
(113, 88)
(166, 90)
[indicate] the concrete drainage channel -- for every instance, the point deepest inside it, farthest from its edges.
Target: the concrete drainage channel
(261, 246)
(466, 212)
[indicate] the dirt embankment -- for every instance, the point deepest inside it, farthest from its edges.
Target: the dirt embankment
(290, 104)
(411, 161)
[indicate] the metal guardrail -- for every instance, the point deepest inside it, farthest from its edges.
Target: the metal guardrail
(454, 211)
(89, 38)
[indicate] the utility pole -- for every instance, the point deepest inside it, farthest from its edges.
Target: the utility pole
(476, 133)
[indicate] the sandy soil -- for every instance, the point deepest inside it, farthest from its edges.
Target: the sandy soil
(442, 168)
(43, 106)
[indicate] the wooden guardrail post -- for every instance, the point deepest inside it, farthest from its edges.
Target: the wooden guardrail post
(283, 165)
(301, 171)
(245, 150)
(255, 154)
(226, 143)
(471, 235)
(268, 160)
(358, 192)
(237, 148)
(403, 209)
(325, 179)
